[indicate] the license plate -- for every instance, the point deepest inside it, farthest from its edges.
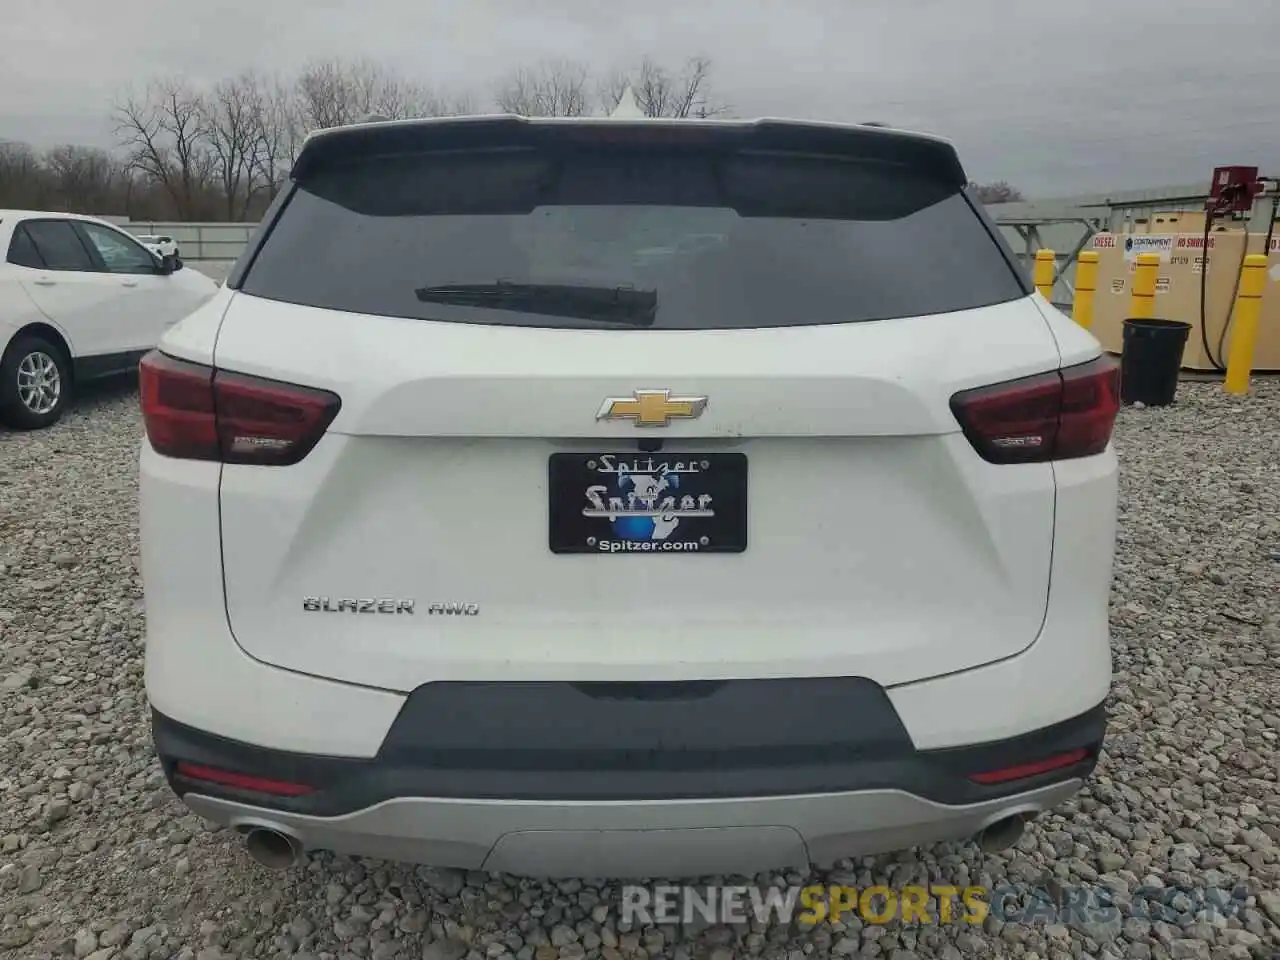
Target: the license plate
(628, 503)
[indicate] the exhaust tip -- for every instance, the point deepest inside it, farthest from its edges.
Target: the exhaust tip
(1001, 834)
(271, 848)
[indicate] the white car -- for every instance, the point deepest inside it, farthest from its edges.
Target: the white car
(161, 246)
(79, 299)
(473, 534)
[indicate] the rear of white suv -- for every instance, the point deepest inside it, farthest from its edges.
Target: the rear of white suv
(626, 498)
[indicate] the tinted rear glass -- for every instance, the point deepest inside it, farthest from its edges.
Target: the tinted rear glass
(665, 240)
(59, 245)
(22, 251)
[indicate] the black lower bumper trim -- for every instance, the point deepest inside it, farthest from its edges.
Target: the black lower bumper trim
(643, 741)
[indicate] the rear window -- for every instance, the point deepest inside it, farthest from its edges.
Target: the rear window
(631, 238)
(59, 245)
(22, 251)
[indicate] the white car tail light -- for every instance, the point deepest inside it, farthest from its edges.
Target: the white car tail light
(195, 412)
(1059, 415)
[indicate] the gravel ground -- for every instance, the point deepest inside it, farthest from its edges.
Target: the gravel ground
(99, 861)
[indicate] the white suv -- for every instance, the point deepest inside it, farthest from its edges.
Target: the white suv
(79, 299)
(161, 246)
(626, 498)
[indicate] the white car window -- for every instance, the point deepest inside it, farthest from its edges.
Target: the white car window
(23, 251)
(59, 246)
(119, 253)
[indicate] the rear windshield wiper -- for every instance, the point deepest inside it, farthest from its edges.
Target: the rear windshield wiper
(616, 304)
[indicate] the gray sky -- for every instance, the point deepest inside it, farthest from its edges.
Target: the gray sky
(1058, 98)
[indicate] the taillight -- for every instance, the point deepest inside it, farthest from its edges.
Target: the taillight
(1034, 769)
(1050, 416)
(240, 781)
(194, 412)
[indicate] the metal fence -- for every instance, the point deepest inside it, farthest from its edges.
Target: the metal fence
(205, 242)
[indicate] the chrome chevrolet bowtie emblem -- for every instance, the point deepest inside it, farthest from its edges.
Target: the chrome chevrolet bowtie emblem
(652, 408)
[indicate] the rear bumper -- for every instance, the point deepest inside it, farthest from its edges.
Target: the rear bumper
(642, 839)
(602, 742)
(595, 780)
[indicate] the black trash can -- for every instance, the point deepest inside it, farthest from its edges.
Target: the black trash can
(1150, 360)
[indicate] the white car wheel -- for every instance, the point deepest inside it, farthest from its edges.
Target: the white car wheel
(35, 381)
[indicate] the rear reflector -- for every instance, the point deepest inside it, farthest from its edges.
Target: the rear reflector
(240, 781)
(1059, 415)
(194, 412)
(1034, 769)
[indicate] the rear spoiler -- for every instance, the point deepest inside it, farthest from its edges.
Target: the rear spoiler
(925, 155)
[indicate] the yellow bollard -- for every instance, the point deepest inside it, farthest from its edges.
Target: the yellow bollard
(1142, 305)
(1086, 284)
(1046, 264)
(1244, 331)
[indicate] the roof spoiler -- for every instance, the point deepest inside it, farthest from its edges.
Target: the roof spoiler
(924, 155)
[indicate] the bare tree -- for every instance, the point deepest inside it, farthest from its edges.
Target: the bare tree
(997, 192)
(231, 115)
(331, 93)
(414, 99)
(322, 96)
(280, 130)
(164, 136)
(553, 88)
(82, 179)
(661, 92)
(610, 88)
(22, 178)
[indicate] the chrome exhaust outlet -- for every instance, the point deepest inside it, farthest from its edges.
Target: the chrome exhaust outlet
(1001, 834)
(272, 848)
